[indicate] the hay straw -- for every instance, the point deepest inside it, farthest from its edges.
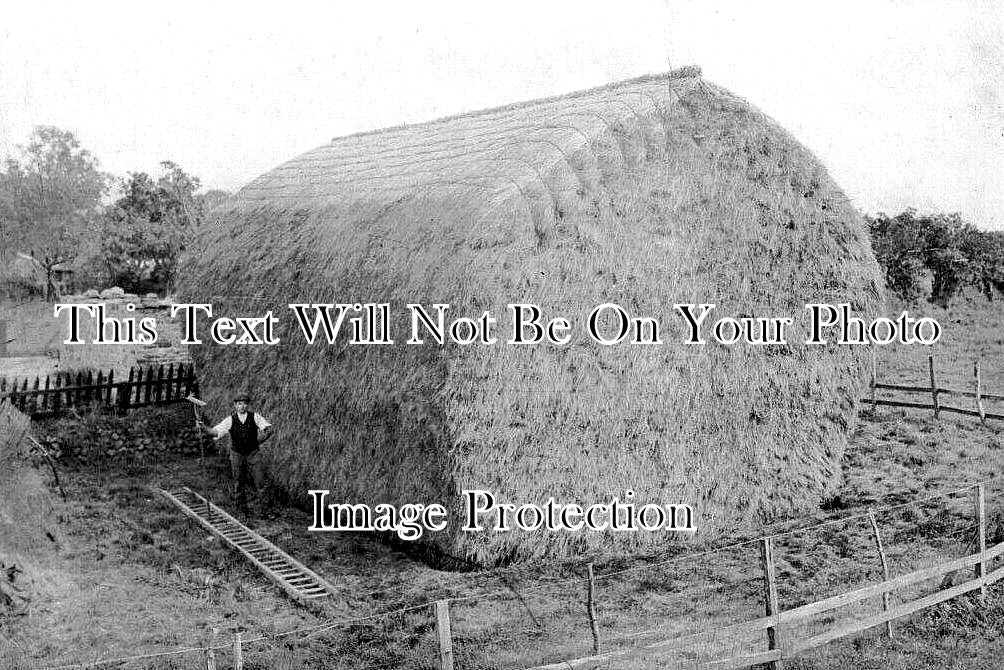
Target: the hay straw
(646, 193)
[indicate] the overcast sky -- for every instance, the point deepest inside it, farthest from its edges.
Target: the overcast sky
(902, 100)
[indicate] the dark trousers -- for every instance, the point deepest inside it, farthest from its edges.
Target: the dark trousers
(246, 471)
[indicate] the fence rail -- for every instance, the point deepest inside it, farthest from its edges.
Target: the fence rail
(62, 391)
(795, 630)
(777, 628)
(935, 392)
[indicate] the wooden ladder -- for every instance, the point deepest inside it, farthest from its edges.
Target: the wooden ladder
(296, 579)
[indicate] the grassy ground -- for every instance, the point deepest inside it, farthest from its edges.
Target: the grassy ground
(132, 575)
(956, 635)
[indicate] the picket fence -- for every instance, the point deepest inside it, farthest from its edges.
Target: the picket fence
(64, 391)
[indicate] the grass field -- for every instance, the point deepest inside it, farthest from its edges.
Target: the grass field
(131, 575)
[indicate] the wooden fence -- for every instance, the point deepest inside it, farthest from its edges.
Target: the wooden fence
(978, 394)
(778, 632)
(771, 639)
(62, 391)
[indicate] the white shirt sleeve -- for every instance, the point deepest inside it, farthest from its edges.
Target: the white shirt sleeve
(260, 421)
(222, 428)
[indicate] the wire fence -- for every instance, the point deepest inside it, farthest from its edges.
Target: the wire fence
(686, 611)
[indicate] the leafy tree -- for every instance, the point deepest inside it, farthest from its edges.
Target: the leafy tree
(950, 267)
(147, 228)
(899, 246)
(48, 195)
(985, 251)
(954, 253)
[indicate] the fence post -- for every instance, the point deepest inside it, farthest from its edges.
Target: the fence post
(885, 569)
(770, 599)
(591, 609)
(179, 389)
(46, 397)
(169, 390)
(23, 396)
(238, 653)
(981, 538)
(979, 393)
(874, 379)
(58, 395)
(125, 392)
(193, 383)
(78, 392)
(210, 652)
(934, 385)
(149, 386)
(445, 637)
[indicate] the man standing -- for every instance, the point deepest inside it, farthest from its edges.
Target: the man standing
(247, 430)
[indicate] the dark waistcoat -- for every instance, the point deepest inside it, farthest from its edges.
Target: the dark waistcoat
(243, 436)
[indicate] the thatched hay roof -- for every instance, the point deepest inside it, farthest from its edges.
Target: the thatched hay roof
(646, 193)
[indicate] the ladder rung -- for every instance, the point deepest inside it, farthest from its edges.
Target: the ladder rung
(273, 561)
(310, 588)
(313, 593)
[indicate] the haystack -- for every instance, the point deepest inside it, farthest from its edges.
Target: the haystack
(659, 190)
(25, 513)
